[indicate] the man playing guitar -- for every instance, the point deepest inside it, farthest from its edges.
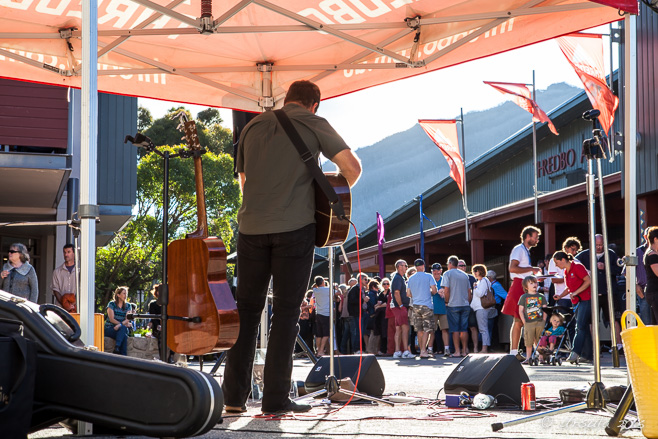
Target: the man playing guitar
(276, 239)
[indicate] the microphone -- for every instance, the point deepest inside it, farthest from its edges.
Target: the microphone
(140, 141)
(591, 114)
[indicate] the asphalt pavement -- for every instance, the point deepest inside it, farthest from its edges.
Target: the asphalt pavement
(425, 416)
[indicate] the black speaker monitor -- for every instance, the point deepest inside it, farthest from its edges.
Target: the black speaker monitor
(371, 380)
(494, 375)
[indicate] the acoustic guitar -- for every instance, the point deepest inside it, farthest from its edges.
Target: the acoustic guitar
(329, 229)
(197, 279)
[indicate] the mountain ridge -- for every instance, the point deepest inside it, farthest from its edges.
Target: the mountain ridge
(391, 179)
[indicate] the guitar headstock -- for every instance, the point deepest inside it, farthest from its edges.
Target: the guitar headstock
(188, 128)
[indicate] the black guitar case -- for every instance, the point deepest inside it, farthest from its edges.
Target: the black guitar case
(77, 383)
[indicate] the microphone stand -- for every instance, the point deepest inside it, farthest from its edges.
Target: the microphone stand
(597, 396)
(141, 141)
(331, 384)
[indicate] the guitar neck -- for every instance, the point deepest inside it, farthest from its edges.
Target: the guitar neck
(202, 220)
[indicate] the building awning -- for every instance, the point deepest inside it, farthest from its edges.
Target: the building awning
(32, 184)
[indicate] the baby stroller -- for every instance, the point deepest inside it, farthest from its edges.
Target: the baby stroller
(563, 343)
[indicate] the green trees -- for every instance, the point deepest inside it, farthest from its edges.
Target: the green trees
(133, 257)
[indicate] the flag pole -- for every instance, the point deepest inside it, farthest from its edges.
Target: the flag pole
(612, 146)
(534, 149)
(464, 195)
(422, 233)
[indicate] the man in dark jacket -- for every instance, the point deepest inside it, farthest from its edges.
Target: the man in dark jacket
(615, 270)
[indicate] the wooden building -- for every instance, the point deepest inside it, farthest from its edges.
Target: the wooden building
(40, 169)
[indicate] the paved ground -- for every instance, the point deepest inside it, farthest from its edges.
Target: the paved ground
(424, 378)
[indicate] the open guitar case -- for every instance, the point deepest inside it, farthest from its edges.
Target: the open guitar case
(117, 394)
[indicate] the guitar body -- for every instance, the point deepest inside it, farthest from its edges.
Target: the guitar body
(198, 288)
(329, 229)
(196, 277)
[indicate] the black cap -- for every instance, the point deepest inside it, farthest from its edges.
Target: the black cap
(436, 266)
(418, 262)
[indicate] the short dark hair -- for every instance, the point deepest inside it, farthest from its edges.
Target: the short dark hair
(373, 283)
(529, 230)
(319, 280)
(304, 92)
(570, 242)
(69, 245)
(652, 233)
(453, 260)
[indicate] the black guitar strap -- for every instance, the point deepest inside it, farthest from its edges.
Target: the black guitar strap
(311, 164)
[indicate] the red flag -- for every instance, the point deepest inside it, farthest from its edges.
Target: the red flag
(585, 54)
(444, 135)
(523, 99)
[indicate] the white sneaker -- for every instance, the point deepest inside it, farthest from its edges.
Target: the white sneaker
(430, 351)
(408, 354)
(397, 354)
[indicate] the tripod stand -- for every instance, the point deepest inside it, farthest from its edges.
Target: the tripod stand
(332, 387)
(597, 396)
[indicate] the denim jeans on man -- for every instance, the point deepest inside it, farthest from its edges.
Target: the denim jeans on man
(351, 332)
(644, 310)
(286, 257)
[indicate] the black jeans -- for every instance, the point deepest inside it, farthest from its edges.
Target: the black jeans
(286, 257)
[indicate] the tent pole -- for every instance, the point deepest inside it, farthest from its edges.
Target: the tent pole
(534, 150)
(630, 154)
(88, 210)
(464, 195)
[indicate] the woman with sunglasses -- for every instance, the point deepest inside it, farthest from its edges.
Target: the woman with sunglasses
(18, 276)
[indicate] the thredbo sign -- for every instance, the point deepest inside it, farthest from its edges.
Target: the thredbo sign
(558, 162)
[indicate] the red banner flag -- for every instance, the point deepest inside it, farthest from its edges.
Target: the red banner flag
(444, 134)
(585, 54)
(523, 99)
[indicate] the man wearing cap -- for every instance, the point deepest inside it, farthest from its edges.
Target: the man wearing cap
(455, 289)
(399, 306)
(421, 286)
(440, 318)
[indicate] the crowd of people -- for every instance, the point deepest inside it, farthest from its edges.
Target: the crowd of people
(418, 312)
(411, 313)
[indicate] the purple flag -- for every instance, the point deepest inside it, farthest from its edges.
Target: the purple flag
(380, 245)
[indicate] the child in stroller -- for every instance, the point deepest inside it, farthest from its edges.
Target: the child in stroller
(549, 338)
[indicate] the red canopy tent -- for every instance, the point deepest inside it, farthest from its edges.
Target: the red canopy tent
(243, 54)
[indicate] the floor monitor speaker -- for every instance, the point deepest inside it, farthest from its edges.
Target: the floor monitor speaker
(371, 380)
(497, 375)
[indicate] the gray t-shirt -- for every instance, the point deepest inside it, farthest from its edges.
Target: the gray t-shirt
(459, 285)
(278, 192)
(322, 300)
(420, 285)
